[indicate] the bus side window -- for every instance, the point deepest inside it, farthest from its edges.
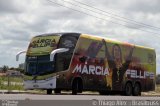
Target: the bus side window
(63, 59)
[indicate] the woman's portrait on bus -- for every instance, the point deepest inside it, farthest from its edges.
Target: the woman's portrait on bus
(117, 55)
(115, 64)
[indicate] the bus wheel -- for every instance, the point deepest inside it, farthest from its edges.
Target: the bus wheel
(57, 91)
(49, 91)
(75, 87)
(128, 89)
(137, 90)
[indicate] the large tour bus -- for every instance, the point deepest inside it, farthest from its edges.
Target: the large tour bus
(81, 62)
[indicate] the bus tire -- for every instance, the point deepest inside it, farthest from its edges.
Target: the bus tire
(136, 90)
(80, 86)
(128, 89)
(49, 91)
(76, 86)
(57, 91)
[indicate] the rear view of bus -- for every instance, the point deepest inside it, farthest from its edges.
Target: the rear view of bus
(43, 62)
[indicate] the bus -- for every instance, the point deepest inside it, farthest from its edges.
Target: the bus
(82, 62)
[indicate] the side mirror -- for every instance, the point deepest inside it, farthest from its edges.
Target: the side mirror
(18, 54)
(60, 50)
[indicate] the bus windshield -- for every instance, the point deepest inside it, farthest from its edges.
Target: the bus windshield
(38, 53)
(39, 65)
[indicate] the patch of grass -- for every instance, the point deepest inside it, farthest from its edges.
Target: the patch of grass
(13, 79)
(11, 87)
(16, 80)
(158, 88)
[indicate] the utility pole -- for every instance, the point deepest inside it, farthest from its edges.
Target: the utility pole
(8, 82)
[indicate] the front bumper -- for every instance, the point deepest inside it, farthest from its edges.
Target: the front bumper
(49, 83)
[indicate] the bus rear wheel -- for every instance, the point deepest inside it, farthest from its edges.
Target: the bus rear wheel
(128, 89)
(49, 91)
(136, 90)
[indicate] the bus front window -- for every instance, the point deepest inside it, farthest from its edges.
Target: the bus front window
(31, 68)
(38, 55)
(45, 68)
(39, 66)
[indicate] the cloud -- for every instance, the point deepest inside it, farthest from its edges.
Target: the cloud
(146, 7)
(11, 6)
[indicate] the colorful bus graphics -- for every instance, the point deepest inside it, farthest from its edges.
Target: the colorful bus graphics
(113, 63)
(84, 62)
(42, 45)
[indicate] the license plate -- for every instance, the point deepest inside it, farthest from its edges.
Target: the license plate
(36, 86)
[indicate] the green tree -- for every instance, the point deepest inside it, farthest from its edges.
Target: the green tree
(5, 68)
(21, 70)
(12, 68)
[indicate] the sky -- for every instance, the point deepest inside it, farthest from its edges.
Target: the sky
(132, 21)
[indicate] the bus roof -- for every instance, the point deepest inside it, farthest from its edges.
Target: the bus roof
(116, 41)
(93, 37)
(60, 34)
